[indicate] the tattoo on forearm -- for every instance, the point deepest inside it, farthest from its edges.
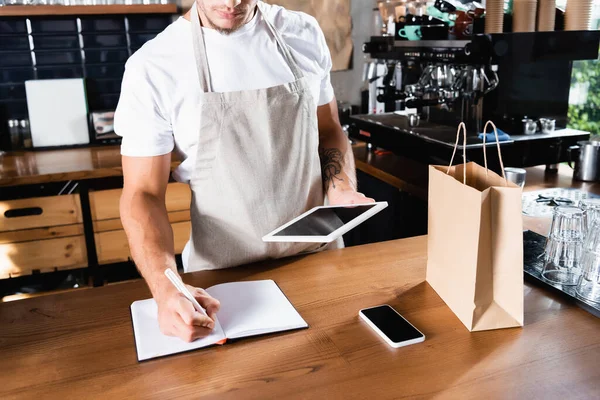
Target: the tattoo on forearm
(331, 164)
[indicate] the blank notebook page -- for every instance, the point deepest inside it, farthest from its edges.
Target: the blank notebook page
(149, 340)
(254, 308)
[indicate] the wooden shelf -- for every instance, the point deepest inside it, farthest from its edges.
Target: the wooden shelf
(30, 11)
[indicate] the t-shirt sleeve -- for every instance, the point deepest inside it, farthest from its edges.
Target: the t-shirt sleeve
(140, 117)
(326, 94)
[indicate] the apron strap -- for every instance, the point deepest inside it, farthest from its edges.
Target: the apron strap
(202, 59)
(284, 48)
(200, 52)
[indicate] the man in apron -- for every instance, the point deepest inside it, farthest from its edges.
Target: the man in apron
(240, 90)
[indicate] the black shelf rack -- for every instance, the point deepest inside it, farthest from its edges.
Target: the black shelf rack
(526, 47)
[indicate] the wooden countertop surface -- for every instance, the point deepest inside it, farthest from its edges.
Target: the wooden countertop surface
(33, 167)
(80, 344)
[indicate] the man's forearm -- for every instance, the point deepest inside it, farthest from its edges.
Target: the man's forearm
(337, 162)
(150, 237)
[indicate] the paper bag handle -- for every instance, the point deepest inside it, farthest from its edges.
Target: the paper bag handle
(499, 152)
(464, 128)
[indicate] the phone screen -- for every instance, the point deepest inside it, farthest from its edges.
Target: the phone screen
(396, 328)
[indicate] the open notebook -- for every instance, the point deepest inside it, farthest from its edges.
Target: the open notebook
(247, 309)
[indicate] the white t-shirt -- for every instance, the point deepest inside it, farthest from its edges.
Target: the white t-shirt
(160, 94)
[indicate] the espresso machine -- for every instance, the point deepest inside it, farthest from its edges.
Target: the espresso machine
(423, 89)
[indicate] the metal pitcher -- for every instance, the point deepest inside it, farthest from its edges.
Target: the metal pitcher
(586, 156)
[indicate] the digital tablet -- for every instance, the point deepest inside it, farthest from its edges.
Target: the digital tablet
(324, 224)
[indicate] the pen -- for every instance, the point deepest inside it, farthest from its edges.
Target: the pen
(175, 280)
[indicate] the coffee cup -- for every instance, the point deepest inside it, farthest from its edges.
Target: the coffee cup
(548, 125)
(463, 25)
(529, 126)
(444, 6)
(410, 32)
(411, 19)
(431, 20)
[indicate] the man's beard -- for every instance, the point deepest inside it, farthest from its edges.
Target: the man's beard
(225, 31)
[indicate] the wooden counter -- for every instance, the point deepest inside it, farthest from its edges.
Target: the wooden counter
(80, 344)
(33, 167)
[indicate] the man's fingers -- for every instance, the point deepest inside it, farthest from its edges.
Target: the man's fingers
(210, 304)
(185, 309)
(212, 310)
(189, 333)
(191, 317)
(365, 199)
(204, 321)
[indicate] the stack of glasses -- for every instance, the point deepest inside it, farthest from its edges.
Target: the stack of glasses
(572, 256)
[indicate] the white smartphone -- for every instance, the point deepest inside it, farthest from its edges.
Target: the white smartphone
(324, 224)
(391, 326)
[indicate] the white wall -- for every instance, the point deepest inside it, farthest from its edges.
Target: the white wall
(347, 83)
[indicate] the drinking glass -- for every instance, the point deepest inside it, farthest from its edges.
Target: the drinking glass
(589, 283)
(591, 211)
(515, 175)
(564, 246)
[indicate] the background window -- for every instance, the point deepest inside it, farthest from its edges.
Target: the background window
(584, 97)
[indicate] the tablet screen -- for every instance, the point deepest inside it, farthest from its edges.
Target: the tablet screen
(323, 221)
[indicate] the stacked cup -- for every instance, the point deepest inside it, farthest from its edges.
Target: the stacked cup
(578, 15)
(546, 15)
(572, 256)
(588, 287)
(564, 246)
(591, 212)
(494, 16)
(524, 13)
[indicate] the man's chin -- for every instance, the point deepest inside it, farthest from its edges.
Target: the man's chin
(228, 27)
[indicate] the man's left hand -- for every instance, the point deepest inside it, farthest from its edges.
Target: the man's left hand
(348, 196)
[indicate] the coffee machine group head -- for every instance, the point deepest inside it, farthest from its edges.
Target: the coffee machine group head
(435, 80)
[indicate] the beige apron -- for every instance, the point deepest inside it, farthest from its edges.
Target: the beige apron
(257, 166)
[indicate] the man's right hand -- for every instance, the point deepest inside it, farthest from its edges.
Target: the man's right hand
(177, 316)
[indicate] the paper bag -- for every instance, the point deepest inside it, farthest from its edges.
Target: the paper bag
(475, 244)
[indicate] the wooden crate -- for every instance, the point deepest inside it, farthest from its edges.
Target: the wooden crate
(41, 234)
(112, 246)
(105, 203)
(110, 238)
